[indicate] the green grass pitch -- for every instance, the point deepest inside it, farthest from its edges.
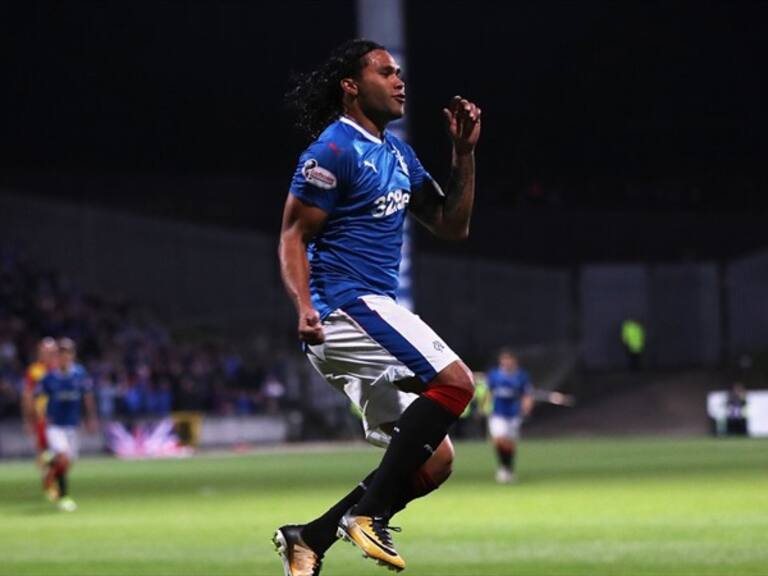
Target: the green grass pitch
(582, 507)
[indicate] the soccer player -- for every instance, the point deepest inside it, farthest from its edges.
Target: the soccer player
(513, 400)
(67, 387)
(339, 256)
(33, 408)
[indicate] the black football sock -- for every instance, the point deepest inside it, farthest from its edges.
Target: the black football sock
(62, 481)
(505, 457)
(511, 461)
(320, 534)
(420, 485)
(415, 438)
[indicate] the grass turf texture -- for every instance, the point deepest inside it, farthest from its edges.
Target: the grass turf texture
(581, 507)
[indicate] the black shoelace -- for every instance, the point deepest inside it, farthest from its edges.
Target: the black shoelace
(381, 529)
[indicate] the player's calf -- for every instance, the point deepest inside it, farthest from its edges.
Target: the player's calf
(436, 470)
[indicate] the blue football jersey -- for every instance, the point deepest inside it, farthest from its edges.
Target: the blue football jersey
(508, 389)
(364, 183)
(65, 391)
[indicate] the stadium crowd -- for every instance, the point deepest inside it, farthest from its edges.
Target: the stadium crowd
(138, 368)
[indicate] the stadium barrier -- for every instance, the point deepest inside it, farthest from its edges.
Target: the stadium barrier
(215, 432)
(754, 413)
(696, 313)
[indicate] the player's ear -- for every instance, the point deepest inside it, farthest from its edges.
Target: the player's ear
(349, 86)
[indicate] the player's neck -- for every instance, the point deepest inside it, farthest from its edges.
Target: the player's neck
(359, 118)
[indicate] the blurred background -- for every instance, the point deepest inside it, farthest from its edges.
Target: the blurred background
(146, 155)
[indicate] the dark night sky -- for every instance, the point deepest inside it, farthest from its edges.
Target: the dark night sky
(582, 92)
(159, 86)
(587, 105)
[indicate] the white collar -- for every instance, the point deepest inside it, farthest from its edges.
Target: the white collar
(363, 131)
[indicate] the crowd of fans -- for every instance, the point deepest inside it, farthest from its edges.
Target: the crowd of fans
(138, 369)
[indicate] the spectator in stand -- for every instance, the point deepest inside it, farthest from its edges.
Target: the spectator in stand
(107, 391)
(158, 398)
(137, 369)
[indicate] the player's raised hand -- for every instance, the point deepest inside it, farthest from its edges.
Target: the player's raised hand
(310, 328)
(463, 120)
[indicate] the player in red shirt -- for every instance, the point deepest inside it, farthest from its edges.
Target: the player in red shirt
(34, 407)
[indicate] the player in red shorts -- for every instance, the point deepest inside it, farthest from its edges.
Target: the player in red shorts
(34, 407)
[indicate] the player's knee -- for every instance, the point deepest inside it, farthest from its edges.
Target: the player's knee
(506, 444)
(461, 377)
(61, 463)
(457, 375)
(466, 383)
(453, 388)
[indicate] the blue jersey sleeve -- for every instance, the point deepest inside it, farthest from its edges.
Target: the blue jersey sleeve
(527, 385)
(84, 379)
(417, 173)
(323, 171)
(492, 379)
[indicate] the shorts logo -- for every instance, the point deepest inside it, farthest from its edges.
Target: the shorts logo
(318, 176)
(439, 346)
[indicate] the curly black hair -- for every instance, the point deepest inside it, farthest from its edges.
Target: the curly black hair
(315, 97)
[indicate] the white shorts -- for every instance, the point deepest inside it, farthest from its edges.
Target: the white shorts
(63, 440)
(503, 427)
(371, 343)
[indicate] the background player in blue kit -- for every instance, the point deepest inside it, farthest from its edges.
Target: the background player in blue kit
(513, 399)
(67, 387)
(340, 255)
